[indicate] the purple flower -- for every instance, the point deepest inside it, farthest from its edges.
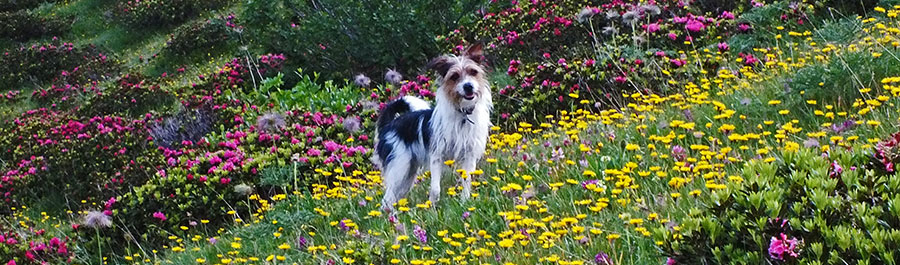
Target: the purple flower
(466, 215)
(420, 234)
(393, 77)
(301, 241)
(679, 153)
(670, 261)
(811, 142)
(779, 246)
(362, 80)
(602, 259)
(844, 126)
(723, 46)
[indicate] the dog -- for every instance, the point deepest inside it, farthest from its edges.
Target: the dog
(412, 135)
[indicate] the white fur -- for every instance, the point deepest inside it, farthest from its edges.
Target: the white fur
(416, 104)
(463, 142)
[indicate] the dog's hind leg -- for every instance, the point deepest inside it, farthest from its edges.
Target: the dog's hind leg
(398, 178)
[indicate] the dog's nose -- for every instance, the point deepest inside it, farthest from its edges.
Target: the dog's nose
(468, 88)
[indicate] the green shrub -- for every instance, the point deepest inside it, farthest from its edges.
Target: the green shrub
(156, 13)
(132, 95)
(802, 209)
(22, 25)
(63, 64)
(341, 38)
(205, 35)
(16, 5)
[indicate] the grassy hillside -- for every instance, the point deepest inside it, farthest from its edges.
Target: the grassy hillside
(635, 132)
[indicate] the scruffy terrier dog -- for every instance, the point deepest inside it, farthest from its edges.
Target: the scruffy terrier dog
(456, 129)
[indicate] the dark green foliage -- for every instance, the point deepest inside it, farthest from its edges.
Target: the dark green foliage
(132, 95)
(836, 207)
(16, 5)
(155, 13)
(339, 38)
(56, 61)
(202, 35)
(22, 25)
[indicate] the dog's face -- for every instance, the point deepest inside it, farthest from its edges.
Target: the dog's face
(463, 79)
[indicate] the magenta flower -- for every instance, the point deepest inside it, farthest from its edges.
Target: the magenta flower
(651, 28)
(779, 246)
(694, 26)
(723, 46)
(159, 215)
(673, 36)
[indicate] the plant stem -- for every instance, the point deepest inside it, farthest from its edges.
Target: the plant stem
(99, 245)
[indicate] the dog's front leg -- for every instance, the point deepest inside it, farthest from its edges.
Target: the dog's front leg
(469, 166)
(435, 189)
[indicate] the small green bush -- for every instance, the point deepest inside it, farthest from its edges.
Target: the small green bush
(16, 5)
(156, 13)
(132, 95)
(205, 35)
(62, 62)
(22, 25)
(802, 209)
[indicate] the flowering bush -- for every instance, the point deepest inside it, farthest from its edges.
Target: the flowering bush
(84, 158)
(232, 78)
(24, 243)
(155, 13)
(68, 66)
(803, 209)
(22, 25)
(132, 95)
(562, 54)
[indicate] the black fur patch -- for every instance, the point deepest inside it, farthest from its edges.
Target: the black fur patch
(407, 130)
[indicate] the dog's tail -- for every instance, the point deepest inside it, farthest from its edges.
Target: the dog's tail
(404, 104)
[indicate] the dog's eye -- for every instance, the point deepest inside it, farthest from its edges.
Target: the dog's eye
(454, 77)
(473, 72)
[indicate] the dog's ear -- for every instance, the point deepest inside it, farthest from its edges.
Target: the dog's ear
(440, 64)
(475, 52)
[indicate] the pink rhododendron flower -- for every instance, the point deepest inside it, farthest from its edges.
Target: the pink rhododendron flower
(159, 215)
(694, 26)
(781, 245)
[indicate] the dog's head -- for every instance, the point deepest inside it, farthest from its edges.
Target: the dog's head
(463, 80)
